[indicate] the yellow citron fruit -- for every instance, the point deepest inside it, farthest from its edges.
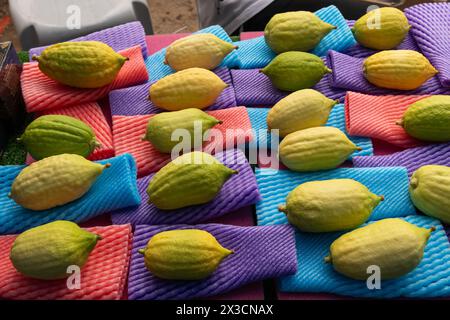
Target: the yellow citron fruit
(394, 245)
(330, 205)
(295, 31)
(189, 254)
(398, 69)
(381, 29)
(54, 181)
(430, 189)
(189, 88)
(84, 64)
(197, 51)
(46, 252)
(314, 149)
(191, 179)
(300, 110)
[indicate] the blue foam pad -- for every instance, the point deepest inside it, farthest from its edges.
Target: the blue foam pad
(114, 189)
(254, 53)
(155, 62)
(258, 117)
(430, 279)
(392, 183)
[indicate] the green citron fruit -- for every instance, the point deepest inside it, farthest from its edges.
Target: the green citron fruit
(189, 88)
(302, 109)
(84, 64)
(189, 254)
(394, 245)
(430, 189)
(314, 149)
(381, 29)
(428, 119)
(295, 31)
(292, 71)
(191, 179)
(46, 252)
(197, 51)
(161, 127)
(57, 134)
(54, 181)
(398, 69)
(330, 205)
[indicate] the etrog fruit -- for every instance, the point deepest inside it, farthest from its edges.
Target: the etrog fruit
(161, 127)
(314, 149)
(189, 254)
(398, 69)
(84, 64)
(394, 245)
(381, 29)
(191, 179)
(54, 181)
(428, 119)
(51, 135)
(295, 31)
(189, 88)
(330, 205)
(46, 252)
(302, 109)
(197, 51)
(430, 191)
(293, 70)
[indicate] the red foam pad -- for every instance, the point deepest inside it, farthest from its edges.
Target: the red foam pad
(102, 278)
(156, 42)
(129, 130)
(42, 93)
(376, 117)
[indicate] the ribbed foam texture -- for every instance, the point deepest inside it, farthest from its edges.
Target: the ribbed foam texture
(259, 253)
(119, 38)
(114, 189)
(92, 115)
(431, 28)
(348, 74)
(155, 62)
(254, 53)
(103, 277)
(379, 120)
(392, 183)
(129, 130)
(254, 89)
(42, 93)
(411, 159)
(430, 279)
(239, 191)
(134, 100)
(258, 119)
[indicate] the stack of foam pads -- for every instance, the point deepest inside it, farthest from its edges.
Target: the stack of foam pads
(265, 246)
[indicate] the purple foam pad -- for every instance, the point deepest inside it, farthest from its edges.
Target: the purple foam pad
(347, 74)
(239, 191)
(431, 29)
(254, 89)
(134, 100)
(359, 51)
(259, 253)
(412, 159)
(119, 38)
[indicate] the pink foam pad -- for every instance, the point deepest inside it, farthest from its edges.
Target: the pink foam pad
(102, 278)
(251, 35)
(157, 42)
(376, 117)
(42, 93)
(129, 130)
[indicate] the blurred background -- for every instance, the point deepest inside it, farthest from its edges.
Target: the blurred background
(35, 18)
